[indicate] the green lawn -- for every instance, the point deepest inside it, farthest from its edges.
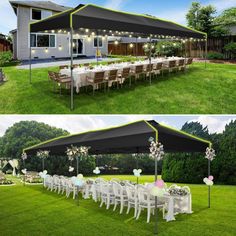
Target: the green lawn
(32, 210)
(199, 91)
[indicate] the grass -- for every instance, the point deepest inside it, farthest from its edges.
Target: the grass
(32, 210)
(199, 91)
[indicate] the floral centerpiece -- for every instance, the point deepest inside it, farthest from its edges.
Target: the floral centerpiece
(156, 150)
(178, 191)
(43, 155)
(75, 152)
(210, 154)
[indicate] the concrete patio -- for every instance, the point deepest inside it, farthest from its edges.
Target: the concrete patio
(59, 62)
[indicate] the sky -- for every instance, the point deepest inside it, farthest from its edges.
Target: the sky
(174, 10)
(81, 123)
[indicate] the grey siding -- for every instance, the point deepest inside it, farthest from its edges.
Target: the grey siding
(61, 50)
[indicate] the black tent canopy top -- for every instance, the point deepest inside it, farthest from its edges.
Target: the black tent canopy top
(105, 21)
(129, 138)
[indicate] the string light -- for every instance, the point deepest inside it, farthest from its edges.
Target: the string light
(46, 50)
(131, 45)
(89, 39)
(60, 47)
(116, 42)
(33, 51)
(87, 30)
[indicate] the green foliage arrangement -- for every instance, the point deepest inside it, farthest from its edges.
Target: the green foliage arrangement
(5, 57)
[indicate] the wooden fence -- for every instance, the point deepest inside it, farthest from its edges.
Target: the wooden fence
(192, 49)
(5, 45)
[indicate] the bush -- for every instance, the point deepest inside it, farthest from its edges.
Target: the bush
(215, 56)
(231, 48)
(169, 48)
(5, 57)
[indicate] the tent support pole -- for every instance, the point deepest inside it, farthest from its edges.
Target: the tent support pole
(77, 165)
(156, 210)
(136, 47)
(150, 60)
(209, 187)
(97, 48)
(71, 71)
(206, 51)
(30, 67)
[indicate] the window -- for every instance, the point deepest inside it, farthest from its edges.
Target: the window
(98, 42)
(43, 40)
(36, 14)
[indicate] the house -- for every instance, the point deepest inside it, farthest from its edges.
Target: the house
(5, 45)
(52, 44)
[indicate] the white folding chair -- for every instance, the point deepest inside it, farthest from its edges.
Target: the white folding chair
(120, 196)
(132, 198)
(146, 201)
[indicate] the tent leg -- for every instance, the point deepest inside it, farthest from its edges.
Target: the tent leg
(136, 47)
(156, 211)
(209, 187)
(97, 49)
(150, 61)
(77, 165)
(30, 67)
(71, 71)
(206, 50)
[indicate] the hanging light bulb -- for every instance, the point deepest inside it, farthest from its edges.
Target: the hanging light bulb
(146, 46)
(174, 44)
(46, 50)
(89, 38)
(139, 37)
(60, 47)
(153, 46)
(33, 51)
(131, 45)
(116, 42)
(93, 33)
(130, 36)
(87, 30)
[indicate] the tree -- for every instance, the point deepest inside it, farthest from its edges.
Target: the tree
(227, 17)
(187, 167)
(195, 128)
(25, 134)
(202, 18)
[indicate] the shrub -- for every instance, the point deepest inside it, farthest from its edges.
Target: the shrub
(231, 48)
(215, 56)
(5, 57)
(169, 48)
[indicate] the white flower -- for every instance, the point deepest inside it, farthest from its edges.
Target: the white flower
(156, 150)
(210, 154)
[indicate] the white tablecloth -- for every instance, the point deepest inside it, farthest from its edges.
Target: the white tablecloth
(80, 75)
